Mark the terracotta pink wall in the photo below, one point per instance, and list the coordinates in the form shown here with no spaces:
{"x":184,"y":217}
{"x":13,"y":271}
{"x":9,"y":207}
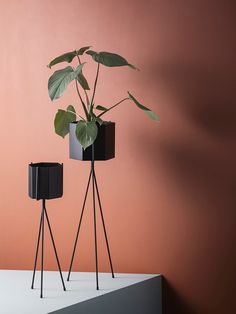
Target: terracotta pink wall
{"x":169,"y":195}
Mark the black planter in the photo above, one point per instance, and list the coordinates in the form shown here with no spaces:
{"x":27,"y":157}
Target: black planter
{"x":45,"y":180}
{"x":104,"y":145}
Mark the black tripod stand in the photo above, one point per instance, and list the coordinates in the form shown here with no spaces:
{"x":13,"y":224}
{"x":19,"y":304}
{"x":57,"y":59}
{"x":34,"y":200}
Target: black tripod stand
{"x":94,"y":190}
{"x":41,"y":231}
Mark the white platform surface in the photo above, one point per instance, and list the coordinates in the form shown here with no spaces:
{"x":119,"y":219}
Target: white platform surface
{"x":16,"y":297}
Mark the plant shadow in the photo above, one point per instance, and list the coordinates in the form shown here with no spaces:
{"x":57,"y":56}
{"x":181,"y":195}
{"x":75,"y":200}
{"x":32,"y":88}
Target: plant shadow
{"x":198,"y":157}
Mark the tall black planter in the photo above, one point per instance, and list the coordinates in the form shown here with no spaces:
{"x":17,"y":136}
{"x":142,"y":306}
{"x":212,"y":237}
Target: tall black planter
{"x":45,"y":182}
{"x":104,"y":145}
{"x":102,"y":149}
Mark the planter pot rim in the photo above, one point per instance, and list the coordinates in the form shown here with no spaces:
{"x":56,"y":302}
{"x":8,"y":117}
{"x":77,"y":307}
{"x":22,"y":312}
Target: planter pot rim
{"x":45,"y":164}
{"x":103,"y":123}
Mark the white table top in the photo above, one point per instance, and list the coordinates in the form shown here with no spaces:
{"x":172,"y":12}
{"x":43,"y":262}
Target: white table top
{"x":16,"y":297}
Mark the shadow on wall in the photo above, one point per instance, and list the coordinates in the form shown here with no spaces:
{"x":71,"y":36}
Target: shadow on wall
{"x":205,"y":94}
{"x":172,"y":302}
{"x":203,"y":149}
{"x":199,"y":160}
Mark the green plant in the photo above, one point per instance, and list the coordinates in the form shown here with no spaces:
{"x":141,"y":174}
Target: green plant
{"x":86,"y":129}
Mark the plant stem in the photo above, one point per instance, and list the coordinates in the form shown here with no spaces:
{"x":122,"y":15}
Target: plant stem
{"x":85,"y":92}
{"x":81,"y":118}
{"x":83,"y":104}
{"x":95,"y":85}
{"x":77,"y":115}
{"x":119,"y":102}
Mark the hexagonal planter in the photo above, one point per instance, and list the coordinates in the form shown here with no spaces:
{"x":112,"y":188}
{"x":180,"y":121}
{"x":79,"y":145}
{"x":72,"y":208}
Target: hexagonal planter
{"x":104,"y":145}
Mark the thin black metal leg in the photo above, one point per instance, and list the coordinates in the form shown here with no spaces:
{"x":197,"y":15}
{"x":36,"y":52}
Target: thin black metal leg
{"x":94,"y":191}
{"x":78,"y":230}
{"x":37,"y":250}
{"x":94,"y":216}
{"x":54,"y":246}
{"x":103,"y":223}
{"x":41,"y":289}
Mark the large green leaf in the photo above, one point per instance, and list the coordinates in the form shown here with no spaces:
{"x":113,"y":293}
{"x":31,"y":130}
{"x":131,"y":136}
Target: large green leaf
{"x":68,"y":56}
{"x":109,"y":59}
{"x":63,"y":119}
{"x":149,"y":112}
{"x":82,"y":50}
{"x":78,"y":70}
{"x":92,"y":53}
{"x":60,"y":79}
{"x":65,"y":57}
{"x":86,"y":133}
{"x":83,"y":82}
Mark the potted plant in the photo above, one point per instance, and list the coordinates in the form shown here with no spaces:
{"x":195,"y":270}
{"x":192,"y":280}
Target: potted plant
{"x":89,"y":133}
{"x":91,"y":138}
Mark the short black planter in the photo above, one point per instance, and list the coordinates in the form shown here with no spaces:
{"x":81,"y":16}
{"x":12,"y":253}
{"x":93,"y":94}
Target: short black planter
{"x":45,"y":180}
{"x":104,"y":145}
